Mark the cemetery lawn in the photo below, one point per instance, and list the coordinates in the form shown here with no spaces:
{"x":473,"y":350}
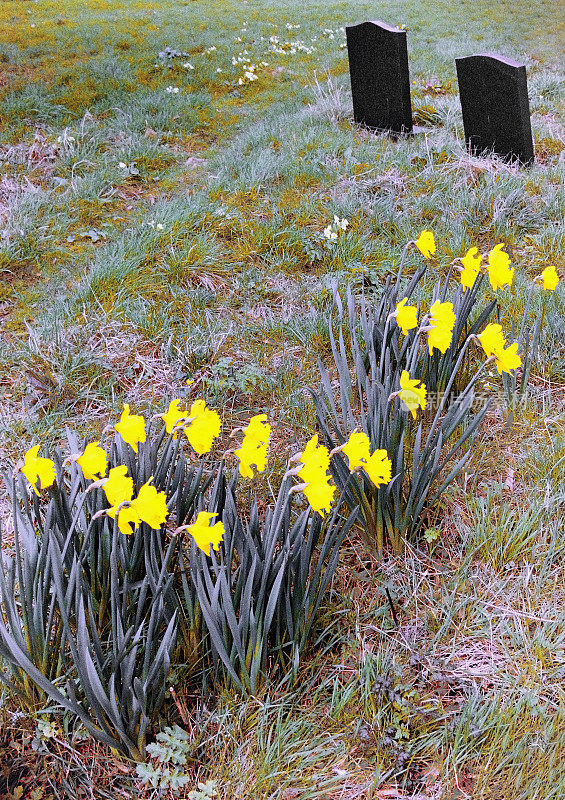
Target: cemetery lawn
{"x":161,"y":235}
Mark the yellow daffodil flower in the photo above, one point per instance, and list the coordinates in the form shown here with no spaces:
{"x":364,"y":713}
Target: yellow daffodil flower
{"x":471,"y":268}
{"x":315,"y":461}
{"x":426,"y":244}
{"x":406,"y":316}
{"x":550,"y":278}
{"x":499,"y":272}
{"x":206,"y":535}
{"x":38,"y":469}
{"x":205,"y":426}
{"x":412,"y":395}
{"x":442,"y":314}
{"x":492,"y":339}
{"x":172,"y":416}
{"x":379,"y":467}
{"x":320,"y":495}
{"x":93,"y":462}
{"x":253,"y":450}
{"x":131,"y":428}
{"x":118,"y":486}
{"x":507,"y":360}
{"x":128,"y":519}
{"x":441,"y":322}
{"x":118,"y":489}
{"x":151,"y":506}
{"x":357,"y":449}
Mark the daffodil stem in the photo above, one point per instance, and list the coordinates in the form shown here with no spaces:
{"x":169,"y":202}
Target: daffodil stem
{"x":525,"y":314}
{"x":401,"y":266}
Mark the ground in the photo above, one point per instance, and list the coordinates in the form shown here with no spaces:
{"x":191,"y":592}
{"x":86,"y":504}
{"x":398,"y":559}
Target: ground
{"x":161,"y":235}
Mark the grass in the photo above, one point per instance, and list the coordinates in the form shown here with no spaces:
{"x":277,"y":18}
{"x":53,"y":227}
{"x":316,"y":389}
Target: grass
{"x":149,"y":238}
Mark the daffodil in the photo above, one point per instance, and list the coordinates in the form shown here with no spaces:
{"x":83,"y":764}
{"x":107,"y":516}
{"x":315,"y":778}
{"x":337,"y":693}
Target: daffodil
{"x":38,"y":470}
{"x":441,"y":326}
{"x":151,"y":506}
{"x":253,"y":450}
{"x":426,"y":244}
{"x":320,"y":494}
{"x":499,"y":272}
{"x":93,"y":462}
{"x":128,"y":519}
{"x":205,"y":426}
{"x":442,"y":314}
{"x":507,"y":360}
{"x":492,"y":339}
{"x":118,"y":486}
{"x":412,"y":395}
{"x":379,"y":467}
{"x":357,"y":449}
{"x":317,"y":489}
{"x":315,"y":460}
{"x":406,"y":316}
{"x":118,"y":489}
{"x":206,"y":535}
{"x":172,"y":417}
{"x":550,"y":278}
{"x":471,"y":268}
{"x":440,"y":338}
{"x":131,"y":428}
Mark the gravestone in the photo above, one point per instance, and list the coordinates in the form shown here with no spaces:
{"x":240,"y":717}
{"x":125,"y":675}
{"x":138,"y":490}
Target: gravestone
{"x":380,"y":80}
{"x":493,"y":91}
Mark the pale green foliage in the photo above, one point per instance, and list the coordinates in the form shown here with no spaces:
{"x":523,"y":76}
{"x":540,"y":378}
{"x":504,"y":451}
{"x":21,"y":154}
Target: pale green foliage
{"x":170,"y":751}
{"x":204,"y":791}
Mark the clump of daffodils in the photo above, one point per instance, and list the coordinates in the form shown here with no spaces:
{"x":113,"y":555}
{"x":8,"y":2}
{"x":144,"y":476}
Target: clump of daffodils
{"x":275,"y":45}
{"x":249,"y":74}
{"x":314,"y":463}
{"x":201,"y":426}
{"x":243,"y":61}
{"x":332,"y":231}
{"x":441,"y":318}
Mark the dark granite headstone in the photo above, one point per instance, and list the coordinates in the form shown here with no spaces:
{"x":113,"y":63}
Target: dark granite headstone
{"x":494,"y":100}
{"x":380,"y":81}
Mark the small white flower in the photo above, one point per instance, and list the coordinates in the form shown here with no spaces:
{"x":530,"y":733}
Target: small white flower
{"x":172,"y":90}
{"x":219,"y":69}
{"x":122,"y":165}
{"x":160,"y":226}
{"x":188,"y":65}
